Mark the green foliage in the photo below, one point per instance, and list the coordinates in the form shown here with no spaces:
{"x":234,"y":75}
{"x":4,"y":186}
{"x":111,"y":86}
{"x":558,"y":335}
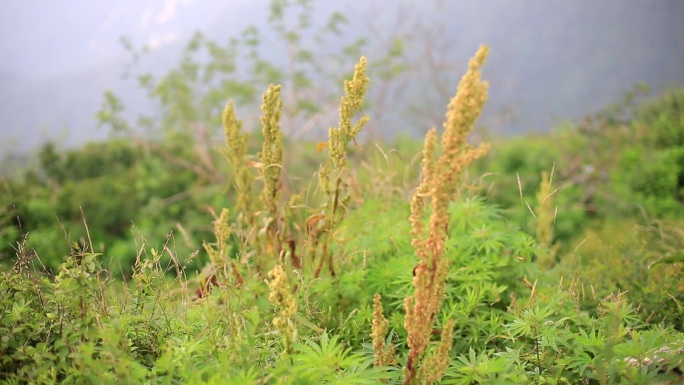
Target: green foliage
{"x":622,"y":162}
{"x":111,"y":186}
{"x":99,"y":245}
{"x":641,"y":260}
{"x":83,"y":326}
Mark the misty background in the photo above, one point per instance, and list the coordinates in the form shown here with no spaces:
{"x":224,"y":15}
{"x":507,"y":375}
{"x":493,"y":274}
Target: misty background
{"x":550,"y":61}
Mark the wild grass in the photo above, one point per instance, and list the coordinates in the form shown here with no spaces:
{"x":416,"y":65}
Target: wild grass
{"x":341,"y":283}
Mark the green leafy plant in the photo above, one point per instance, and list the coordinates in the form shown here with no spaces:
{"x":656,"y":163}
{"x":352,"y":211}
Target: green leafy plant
{"x":355,"y":277}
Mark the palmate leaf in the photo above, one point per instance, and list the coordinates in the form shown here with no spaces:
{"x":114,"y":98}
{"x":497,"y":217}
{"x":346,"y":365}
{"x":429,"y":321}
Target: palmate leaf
{"x":481,"y":368}
{"x":248,"y":376}
{"x":325,"y":356}
{"x":392,"y":277}
{"x":592,"y":340}
{"x":580,"y":361}
{"x":366,"y":375}
{"x":328,"y":361}
{"x":472,"y":213}
{"x":530,"y":319}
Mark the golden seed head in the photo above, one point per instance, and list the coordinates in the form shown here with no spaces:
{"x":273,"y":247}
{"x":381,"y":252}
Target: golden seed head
{"x":281,"y":297}
{"x":271,"y":154}
{"x":440,"y":178}
{"x":383,"y":355}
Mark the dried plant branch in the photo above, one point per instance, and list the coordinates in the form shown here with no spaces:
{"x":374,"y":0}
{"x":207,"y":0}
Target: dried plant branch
{"x":441,"y":177}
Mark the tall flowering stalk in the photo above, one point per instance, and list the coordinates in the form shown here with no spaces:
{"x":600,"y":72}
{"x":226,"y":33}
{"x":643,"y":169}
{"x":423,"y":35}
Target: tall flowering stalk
{"x":268,"y":240}
{"x":383,"y":352}
{"x":285,"y":306}
{"x":441,"y":176}
{"x":546,"y":216}
{"x":270,"y":167}
{"x":236,"y":154}
{"x":271,"y":154}
{"x":333,"y":173}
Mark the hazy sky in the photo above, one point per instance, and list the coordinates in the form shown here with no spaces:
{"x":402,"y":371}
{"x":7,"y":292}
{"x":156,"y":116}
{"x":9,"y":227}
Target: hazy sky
{"x":550,"y":60}
{"x":40,"y":38}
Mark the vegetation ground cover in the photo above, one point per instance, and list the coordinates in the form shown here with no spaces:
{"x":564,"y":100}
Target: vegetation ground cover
{"x":542,"y":259}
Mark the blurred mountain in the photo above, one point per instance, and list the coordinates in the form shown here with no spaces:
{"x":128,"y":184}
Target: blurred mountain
{"x":549,"y":60}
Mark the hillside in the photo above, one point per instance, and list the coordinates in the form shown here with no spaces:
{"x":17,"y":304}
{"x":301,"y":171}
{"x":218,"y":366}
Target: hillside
{"x":549,"y":62}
